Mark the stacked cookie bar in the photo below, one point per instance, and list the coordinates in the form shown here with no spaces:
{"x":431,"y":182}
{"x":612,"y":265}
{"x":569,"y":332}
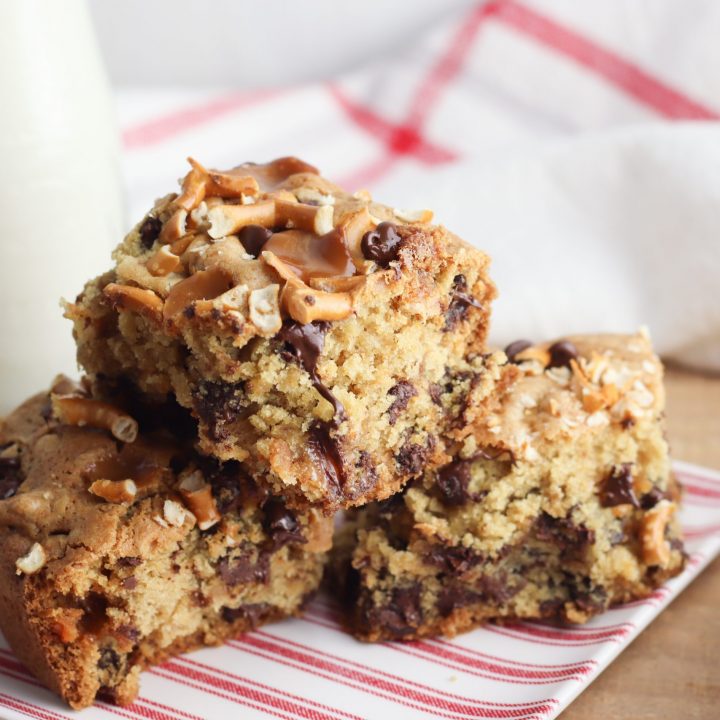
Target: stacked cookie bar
{"x":269,"y":350}
{"x":557,"y":504}
{"x":265,"y":351}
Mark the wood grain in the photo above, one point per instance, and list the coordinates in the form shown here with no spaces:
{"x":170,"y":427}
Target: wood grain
{"x":673,"y":669}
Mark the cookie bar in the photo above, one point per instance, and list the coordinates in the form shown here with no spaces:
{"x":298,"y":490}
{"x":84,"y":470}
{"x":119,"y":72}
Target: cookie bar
{"x":557,"y":504}
{"x":120,"y":550}
{"x":304,"y":327}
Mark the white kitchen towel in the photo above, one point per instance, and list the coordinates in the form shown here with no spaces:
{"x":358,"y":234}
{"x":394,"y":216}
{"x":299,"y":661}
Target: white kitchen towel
{"x":577,"y":143}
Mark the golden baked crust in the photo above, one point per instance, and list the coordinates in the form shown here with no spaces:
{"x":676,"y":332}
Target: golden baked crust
{"x":559,"y":501}
{"x":92,"y":590}
{"x":309,"y":357}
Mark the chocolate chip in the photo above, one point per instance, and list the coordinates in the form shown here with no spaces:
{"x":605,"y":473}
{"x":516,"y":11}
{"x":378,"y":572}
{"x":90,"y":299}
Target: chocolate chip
{"x":651,"y":498}
{"x":281,"y":525}
{"x":129,"y":561}
{"x":130,"y":632}
{"x":515,"y":348}
{"x":382,"y":244}
{"x":303,"y":344}
{"x":561,"y":353}
{"x":199,"y":599}
{"x":243,"y":569}
{"x":563,"y":532}
{"x":617,"y":489}
{"x":452,"y":481}
{"x":11,"y":476}
{"x":411,"y":458}
{"x":627,"y":422}
{"x":454,"y":596}
{"x":588,"y":597}
{"x":253,"y":238}
{"x":436,"y":390}
{"x":453,"y":560}
{"x":401,"y":616}
{"x":459,"y":304}
{"x":326,"y":454}
{"x":109,"y":659}
{"x":219,"y":404}
{"x":130,"y":582}
{"x":232,"y":486}
{"x":366,"y":465}
{"x":402,"y":392}
{"x":252,"y":613}
{"x":150,"y":231}
{"x":551,"y":608}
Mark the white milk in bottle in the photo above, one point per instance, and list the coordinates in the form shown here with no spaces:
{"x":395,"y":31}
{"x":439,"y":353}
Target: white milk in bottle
{"x":60,"y":197}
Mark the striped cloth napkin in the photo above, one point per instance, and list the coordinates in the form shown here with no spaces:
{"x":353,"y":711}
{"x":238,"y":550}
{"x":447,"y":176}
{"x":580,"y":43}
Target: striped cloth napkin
{"x":576,"y":142}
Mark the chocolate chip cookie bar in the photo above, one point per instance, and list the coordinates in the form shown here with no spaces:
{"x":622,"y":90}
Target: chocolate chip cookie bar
{"x":120,"y":548}
{"x":558,"y":502}
{"x":303,"y":326}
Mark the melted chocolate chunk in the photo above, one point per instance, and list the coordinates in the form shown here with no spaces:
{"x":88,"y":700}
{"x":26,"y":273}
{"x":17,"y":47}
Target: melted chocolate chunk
{"x":452,"y":482}
{"x":382,"y":244}
{"x":252,"y":613}
{"x":219,"y":404}
{"x":281,"y":525}
{"x":243,"y":569}
{"x":563,"y":532}
{"x":253,"y":238}
{"x":411,"y":458}
{"x":436,"y":391}
{"x":130,"y":632}
{"x":453,"y":560}
{"x":459,"y":304}
{"x":11,"y":476}
{"x":150,"y":231}
{"x":109,"y":659}
{"x":367,"y":466}
{"x":588,"y":597}
{"x":618,"y":487}
{"x":129,"y":561}
{"x":551,"y":608}
{"x":402,"y":392}
{"x":651,"y":498}
{"x":561,"y":353}
{"x":232,"y":486}
{"x":303,"y":344}
{"x":455,"y":596}
{"x":326,"y":454}
{"x":514,"y":348}
{"x":402,"y":615}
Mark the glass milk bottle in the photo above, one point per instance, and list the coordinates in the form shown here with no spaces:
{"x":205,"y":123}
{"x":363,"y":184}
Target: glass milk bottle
{"x":60,"y":197}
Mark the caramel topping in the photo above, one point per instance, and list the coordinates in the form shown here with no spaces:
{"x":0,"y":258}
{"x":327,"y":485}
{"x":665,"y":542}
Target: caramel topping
{"x":271,"y":174}
{"x":203,"y":285}
{"x":81,"y":411}
{"x":145,"y":463}
{"x":311,"y":256}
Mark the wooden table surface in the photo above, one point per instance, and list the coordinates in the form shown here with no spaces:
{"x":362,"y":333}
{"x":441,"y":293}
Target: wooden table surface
{"x":673,"y":669}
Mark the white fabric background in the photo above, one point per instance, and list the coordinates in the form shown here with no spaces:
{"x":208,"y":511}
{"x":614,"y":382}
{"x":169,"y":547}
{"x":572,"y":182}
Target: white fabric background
{"x":601,"y":208}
